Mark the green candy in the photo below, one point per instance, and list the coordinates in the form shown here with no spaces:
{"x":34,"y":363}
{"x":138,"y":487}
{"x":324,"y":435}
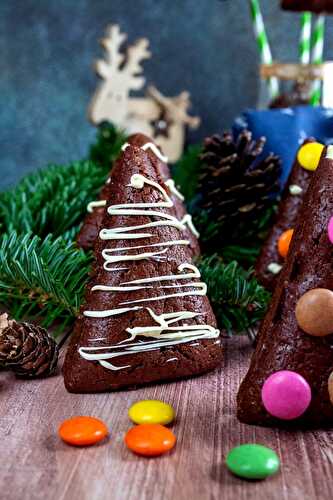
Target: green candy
{"x":252,"y":461}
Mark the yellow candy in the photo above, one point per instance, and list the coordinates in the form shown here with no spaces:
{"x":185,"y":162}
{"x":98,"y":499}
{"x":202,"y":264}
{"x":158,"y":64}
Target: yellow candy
{"x":151,"y":412}
{"x":309,"y":155}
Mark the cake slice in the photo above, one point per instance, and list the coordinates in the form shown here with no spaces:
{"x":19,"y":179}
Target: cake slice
{"x":308,"y":5}
{"x":270,"y":262}
{"x":295,"y":344}
{"x":146,"y":316}
{"x":92,"y":223}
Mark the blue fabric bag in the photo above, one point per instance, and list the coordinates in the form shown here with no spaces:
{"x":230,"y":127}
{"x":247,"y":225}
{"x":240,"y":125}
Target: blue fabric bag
{"x":285,"y":129}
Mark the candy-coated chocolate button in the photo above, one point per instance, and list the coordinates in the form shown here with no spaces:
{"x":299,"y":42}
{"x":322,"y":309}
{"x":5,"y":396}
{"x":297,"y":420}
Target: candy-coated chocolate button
{"x":151,"y":411}
{"x":330,"y":230}
{"x":82,"y":431}
{"x":286,"y":395}
{"x":252,"y":461}
{"x":330,"y":387}
{"x":309,"y":155}
{"x":284,"y":242}
{"x":150,"y":440}
{"x":314,"y":312}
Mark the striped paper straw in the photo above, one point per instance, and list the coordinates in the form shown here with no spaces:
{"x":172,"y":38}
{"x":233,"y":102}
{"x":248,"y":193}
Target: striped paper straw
{"x":317,"y":56}
{"x":263,"y":45}
{"x":305,"y":39}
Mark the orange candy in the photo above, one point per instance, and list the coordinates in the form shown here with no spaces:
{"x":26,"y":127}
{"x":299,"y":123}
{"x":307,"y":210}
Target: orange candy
{"x":82,"y":431}
{"x":150,"y":440}
{"x":284,"y":242}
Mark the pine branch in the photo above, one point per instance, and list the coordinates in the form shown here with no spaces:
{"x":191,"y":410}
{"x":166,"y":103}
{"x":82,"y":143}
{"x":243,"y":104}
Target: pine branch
{"x":54,"y":200}
{"x":243,"y":245}
{"x":42,"y":278}
{"x":239,"y":302}
{"x":107,"y":146}
{"x":186,"y":172}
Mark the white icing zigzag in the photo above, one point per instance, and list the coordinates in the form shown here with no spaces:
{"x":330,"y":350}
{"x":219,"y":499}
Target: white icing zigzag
{"x":170,"y":183}
{"x":152,"y":147}
{"x":163,"y":334}
{"x":171,"y":336}
{"x":141,"y":284}
{"x":95,"y":204}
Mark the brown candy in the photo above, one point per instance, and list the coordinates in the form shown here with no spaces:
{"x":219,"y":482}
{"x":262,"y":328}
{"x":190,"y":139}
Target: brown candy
{"x":314,"y":312}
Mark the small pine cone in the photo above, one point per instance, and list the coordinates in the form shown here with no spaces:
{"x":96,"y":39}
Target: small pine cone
{"x":236,"y":183}
{"x":26,"y":349}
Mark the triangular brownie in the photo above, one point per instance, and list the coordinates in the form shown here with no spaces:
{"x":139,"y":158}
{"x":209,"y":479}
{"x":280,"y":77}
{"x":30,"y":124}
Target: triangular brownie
{"x":146,"y":316}
{"x":289,"y":373}
{"x":269,"y":263}
{"x":93,"y":221}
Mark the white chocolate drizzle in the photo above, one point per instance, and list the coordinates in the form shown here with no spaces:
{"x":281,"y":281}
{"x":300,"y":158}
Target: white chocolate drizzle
{"x":152,"y":147}
{"x":170,"y":182}
{"x":140,"y":209}
{"x":274,"y":268}
{"x":163,"y":333}
{"x":172,"y":186}
{"x":172,"y":336}
{"x":200,"y":288}
{"x":329,"y":153}
{"x":295,"y":190}
{"x":95,"y":204}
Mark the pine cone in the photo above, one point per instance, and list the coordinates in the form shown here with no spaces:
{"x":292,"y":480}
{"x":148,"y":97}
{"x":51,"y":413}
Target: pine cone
{"x":237,"y":185}
{"x":26,"y":349}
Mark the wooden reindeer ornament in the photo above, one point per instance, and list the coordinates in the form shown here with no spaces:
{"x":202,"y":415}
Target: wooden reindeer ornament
{"x":163,"y":118}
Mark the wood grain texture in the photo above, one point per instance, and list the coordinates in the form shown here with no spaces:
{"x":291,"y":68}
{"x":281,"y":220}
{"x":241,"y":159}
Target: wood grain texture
{"x":36,"y":465}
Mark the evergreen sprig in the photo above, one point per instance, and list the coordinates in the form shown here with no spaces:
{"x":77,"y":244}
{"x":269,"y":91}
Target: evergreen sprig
{"x":238,"y":300}
{"x":243,"y":246}
{"x":107,"y":146}
{"x":51,"y":200}
{"x":54,"y":199}
{"x":43,"y":278}
{"x":186,"y":172}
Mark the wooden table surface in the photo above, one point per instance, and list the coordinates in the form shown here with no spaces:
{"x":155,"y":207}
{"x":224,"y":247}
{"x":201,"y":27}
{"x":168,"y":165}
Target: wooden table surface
{"x":35,"y":464}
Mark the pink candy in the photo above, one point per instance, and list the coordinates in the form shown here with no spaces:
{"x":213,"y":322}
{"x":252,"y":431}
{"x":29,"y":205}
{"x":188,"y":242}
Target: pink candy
{"x":330,"y":230}
{"x":286,"y":395}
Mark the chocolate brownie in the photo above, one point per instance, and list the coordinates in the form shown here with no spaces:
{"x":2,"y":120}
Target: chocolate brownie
{"x":270,"y":262}
{"x":282,"y":344}
{"x":308,"y":5}
{"x":160,"y":328}
{"x":299,"y":96}
{"x":92,"y":223}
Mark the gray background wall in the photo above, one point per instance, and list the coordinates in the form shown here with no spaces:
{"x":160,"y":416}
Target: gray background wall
{"x":47,"y":49}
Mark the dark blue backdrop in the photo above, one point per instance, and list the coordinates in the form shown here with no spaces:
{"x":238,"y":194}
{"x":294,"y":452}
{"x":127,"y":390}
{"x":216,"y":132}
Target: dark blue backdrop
{"x":48,"y":46}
